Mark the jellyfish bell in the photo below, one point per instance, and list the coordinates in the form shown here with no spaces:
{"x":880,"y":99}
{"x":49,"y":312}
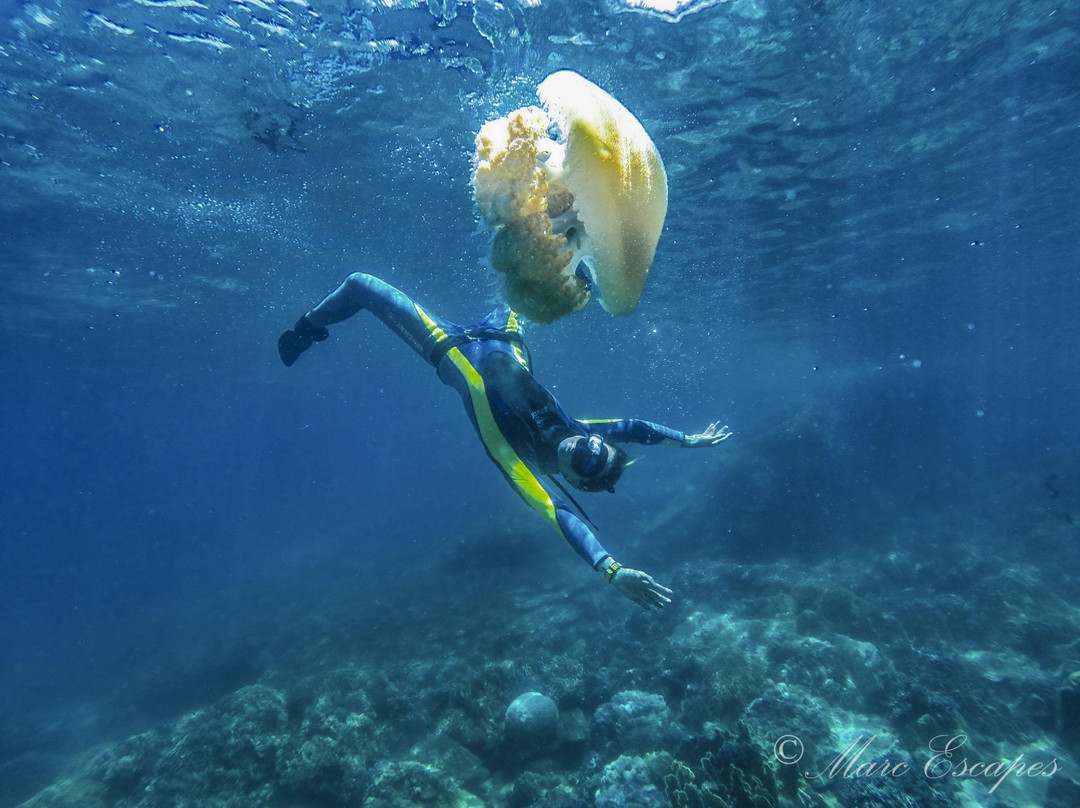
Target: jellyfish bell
{"x":598,"y":195}
{"x":617,"y":178}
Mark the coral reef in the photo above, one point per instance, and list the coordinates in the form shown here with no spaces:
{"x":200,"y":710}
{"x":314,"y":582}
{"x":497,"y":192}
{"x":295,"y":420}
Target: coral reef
{"x":512,"y":705}
{"x":531,"y":723}
{"x":634,"y":721}
{"x":734,"y":775}
{"x":409,"y":784}
{"x":329,"y":753}
{"x":626,"y":783}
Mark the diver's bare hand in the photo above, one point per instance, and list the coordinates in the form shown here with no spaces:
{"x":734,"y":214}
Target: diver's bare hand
{"x":639,"y":587}
{"x":710,"y":437}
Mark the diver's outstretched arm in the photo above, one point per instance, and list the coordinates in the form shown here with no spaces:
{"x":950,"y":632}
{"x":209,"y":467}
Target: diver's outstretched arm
{"x":635,"y":430}
{"x":640,"y":588}
{"x":635,"y":585}
{"x":713,"y":435}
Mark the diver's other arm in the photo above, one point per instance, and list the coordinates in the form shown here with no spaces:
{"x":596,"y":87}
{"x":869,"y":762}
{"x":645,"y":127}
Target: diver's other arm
{"x":635,"y":430}
{"x":710,"y":437}
{"x":635,"y":585}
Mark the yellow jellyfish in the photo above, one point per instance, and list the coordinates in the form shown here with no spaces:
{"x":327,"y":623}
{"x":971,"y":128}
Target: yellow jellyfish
{"x":596,"y":198}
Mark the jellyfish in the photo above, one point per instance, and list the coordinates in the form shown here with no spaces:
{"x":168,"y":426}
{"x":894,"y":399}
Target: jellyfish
{"x":579,"y":211}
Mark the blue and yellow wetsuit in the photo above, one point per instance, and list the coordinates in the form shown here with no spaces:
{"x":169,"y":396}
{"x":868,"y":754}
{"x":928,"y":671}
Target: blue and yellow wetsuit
{"x":519,"y":422}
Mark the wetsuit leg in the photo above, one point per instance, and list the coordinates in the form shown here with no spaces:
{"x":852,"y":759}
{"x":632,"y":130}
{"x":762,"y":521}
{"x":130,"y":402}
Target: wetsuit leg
{"x":397,"y":310}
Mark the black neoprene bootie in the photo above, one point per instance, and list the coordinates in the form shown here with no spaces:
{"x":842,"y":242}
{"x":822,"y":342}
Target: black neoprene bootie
{"x":293,"y":343}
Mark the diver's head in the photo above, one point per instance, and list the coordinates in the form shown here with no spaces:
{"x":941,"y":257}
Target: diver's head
{"x":590,"y":464}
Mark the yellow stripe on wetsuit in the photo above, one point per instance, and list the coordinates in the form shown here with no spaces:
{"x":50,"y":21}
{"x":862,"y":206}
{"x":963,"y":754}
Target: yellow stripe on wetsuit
{"x":501,"y":452}
{"x":513,"y":326}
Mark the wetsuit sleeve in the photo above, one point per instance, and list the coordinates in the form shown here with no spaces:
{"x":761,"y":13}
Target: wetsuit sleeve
{"x":556,"y":512}
{"x":578,"y":535}
{"x":634,"y":430}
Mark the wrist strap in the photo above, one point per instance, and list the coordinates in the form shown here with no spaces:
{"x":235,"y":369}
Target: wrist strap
{"x":611,"y":569}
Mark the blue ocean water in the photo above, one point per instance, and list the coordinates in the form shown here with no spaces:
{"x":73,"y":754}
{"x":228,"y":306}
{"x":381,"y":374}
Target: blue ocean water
{"x":869,"y":271}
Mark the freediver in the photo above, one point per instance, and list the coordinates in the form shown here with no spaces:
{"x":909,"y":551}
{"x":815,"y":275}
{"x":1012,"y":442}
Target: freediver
{"x":524,"y":429}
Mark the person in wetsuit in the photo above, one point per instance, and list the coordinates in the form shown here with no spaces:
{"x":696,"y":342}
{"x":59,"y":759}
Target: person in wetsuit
{"x":524,"y":429}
